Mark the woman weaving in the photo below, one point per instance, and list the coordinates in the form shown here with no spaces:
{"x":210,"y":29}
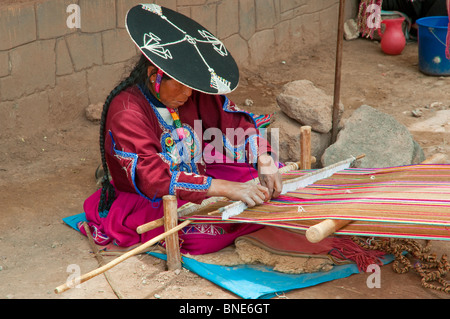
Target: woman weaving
{"x":151,"y":135}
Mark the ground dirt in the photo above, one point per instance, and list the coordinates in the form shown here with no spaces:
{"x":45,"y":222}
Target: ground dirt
{"x":47,"y":177}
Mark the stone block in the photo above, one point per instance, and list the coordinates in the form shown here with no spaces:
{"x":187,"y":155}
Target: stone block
{"x":287,"y":5}
{"x":247,"y":18}
{"x":306,"y":29}
{"x":238,"y":48}
{"x":190,"y":2}
{"x":117,"y":46}
{"x":63,"y":61}
{"x":227,"y":18}
{"x":68,"y":98}
{"x":17,"y":26}
{"x":122,"y":8}
{"x":96,"y":16}
{"x":185,"y":10}
{"x":351,"y":30}
{"x":315,"y":6}
{"x":289,"y":135}
{"x":328,"y":22}
{"x":171,"y":4}
{"x":206,"y":16}
{"x":261,"y":47}
{"x":85,"y":49}
{"x":102,"y":79}
{"x":4,"y":64}
{"x":32,"y":114}
{"x":8,"y":118}
{"x":94,"y":112}
{"x":52,"y":19}
{"x":266,"y":16}
{"x":307,"y":104}
{"x":283,"y":36}
{"x":383,"y":140}
{"x":33,"y":69}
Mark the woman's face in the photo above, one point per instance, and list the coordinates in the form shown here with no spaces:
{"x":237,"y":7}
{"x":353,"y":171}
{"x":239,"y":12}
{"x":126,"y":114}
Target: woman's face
{"x":172,"y":93}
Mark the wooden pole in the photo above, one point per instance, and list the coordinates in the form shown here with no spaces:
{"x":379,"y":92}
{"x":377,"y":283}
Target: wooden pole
{"x":140,"y":249}
{"x":149,"y":226}
{"x":172,"y":240}
{"x":322,"y":230}
{"x":337,"y":76}
{"x":305,"y":147}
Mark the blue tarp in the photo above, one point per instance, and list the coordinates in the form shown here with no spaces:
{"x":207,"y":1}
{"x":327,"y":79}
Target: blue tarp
{"x":253,"y":281}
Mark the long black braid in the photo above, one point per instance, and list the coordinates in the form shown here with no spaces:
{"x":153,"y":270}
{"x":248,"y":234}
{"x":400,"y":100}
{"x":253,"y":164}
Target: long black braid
{"x":137,"y":76}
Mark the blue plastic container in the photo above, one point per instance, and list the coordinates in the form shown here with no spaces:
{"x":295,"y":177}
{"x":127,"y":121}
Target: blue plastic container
{"x":432,"y":44}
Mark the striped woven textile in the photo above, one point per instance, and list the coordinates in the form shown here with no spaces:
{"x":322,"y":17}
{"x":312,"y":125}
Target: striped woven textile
{"x":404,"y":202}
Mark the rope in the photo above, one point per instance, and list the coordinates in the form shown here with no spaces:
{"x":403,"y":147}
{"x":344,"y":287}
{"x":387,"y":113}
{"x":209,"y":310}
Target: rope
{"x":427,"y":264}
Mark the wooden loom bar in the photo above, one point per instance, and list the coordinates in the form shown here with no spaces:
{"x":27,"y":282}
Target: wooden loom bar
{"x":149,"y":226}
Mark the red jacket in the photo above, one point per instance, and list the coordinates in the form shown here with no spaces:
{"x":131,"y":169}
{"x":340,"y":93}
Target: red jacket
{"x":144,"y":155}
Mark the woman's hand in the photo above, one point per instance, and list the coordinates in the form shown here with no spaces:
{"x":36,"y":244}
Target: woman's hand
{"x":250,"y":194}
{"x":269,"y":176}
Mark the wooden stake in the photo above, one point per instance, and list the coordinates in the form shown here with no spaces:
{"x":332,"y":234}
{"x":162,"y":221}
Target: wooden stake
{"x":172,"y":240}
{"x":305,"y":147}
{"x":337,"y":75}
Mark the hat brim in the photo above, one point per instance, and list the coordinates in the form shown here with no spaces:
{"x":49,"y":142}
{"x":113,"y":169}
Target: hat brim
{"x":183,"y":49}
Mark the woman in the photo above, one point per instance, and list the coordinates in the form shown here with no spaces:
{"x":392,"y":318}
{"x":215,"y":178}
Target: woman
{"x":155,"y":137}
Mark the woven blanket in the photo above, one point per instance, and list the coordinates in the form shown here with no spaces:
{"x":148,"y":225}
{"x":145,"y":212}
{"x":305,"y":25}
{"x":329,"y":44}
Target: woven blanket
{"x":406,"y":202}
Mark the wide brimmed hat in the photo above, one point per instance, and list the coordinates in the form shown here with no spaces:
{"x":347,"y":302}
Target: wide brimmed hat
{"x":182,"y":49}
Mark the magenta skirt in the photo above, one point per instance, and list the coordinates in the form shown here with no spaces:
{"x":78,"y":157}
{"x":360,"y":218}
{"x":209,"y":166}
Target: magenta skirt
{"x":130,"y":210}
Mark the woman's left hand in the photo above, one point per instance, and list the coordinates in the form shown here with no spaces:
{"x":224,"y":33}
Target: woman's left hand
{"x":269,"y":176}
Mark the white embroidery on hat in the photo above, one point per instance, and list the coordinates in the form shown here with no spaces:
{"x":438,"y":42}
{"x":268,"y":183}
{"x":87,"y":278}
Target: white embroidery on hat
{"x":153,"y":8}
{"x":216,"y":43}
{"x":220,"y":84}
{"x":153,"y":44}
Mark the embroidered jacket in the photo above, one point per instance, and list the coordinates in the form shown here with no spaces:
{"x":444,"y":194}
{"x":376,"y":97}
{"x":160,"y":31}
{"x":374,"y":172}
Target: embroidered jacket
{"x":145,"y":156}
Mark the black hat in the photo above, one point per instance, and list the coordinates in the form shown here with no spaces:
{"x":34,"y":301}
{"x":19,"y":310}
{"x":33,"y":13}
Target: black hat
{"x":182,"y":49}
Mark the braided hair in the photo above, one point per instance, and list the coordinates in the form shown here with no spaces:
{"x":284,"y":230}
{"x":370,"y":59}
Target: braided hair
{"x":137,"y":76}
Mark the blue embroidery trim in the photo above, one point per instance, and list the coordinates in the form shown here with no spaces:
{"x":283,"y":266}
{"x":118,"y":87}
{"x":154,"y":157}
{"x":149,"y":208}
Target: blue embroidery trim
{"x":251,"y":139}
{"x":241,"y":149}
{"x":154,"y":104}
{"x":134,"y":158}
{"x":226,"y":104}
{"x":199,"y":187}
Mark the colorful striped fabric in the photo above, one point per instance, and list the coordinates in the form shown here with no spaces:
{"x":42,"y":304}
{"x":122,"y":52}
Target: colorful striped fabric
{"x":405,"y":202}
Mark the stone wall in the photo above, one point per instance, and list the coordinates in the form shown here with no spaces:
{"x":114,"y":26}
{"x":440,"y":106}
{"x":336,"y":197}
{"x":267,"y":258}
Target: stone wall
{"x":49,"y":73}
